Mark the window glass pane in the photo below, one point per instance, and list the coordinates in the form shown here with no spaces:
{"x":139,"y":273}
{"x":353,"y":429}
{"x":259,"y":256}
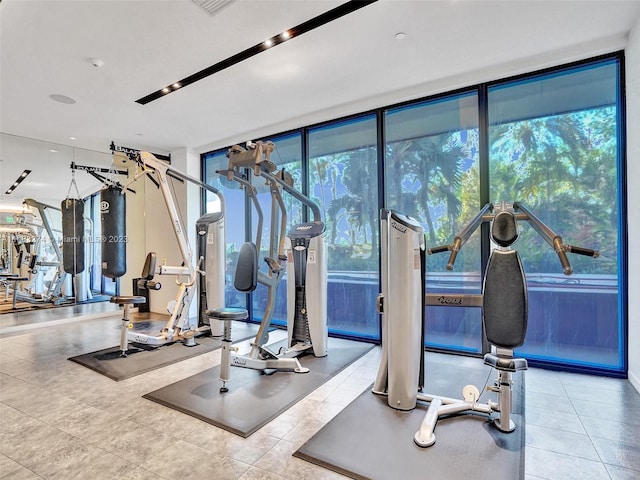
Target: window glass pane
{"x":554,"y":147}
{"x":110,"y":286}
{"x":234,"y":219}
{"x":343,"y":180}
{"x":432,"y":174}
{"x":93,"y":252}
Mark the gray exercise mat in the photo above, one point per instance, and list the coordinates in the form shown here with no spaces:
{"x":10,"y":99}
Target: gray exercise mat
{"x":144,"y":358}
{"x":254,"y":398}
{"x":370,"y":440}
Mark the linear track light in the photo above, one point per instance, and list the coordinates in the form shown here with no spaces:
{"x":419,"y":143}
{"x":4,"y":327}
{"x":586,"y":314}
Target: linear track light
{"x":323,"y":19}
{"x":18,"y":181}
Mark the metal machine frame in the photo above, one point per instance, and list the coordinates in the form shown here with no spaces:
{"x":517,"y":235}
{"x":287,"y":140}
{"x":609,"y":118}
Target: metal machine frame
{"x":53,"y":292}
{"x":256,"y":157}
{"x":179,"y":327}
{"x":402,"y":305}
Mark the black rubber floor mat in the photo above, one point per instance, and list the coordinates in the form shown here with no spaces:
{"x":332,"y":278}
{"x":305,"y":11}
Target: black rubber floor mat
{"x":144,"y":358}
{"x":369,"y":440}
{"x":254,"y":398}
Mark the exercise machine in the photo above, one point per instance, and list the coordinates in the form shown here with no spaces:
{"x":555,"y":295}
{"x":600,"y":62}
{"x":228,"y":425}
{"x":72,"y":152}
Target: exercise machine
{"x":504,"y":312}
{"x":180,"y":326}
{"x":210,"y":238}
{"x":307,"y":272}
{"x":305,"y":256}
{"x":39,"y":259}
{"x":145,"y":282}
{"x":46,"y":266}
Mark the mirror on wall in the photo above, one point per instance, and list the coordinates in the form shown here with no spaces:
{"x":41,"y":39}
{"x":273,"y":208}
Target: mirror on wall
{"x":35,"y":178}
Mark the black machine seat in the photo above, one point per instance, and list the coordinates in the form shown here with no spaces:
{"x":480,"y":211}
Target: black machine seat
{"x":245,"y":279}
{"x":508,"y":364}
{"x":228,"y":313}
{"x":147,"y":277}
{"x":504,"y":310}
{"x":127,"y":300}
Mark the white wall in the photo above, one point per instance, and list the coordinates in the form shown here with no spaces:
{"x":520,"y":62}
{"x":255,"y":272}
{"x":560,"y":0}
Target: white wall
{"x":187,"y":161}
{"x":632,"y":64}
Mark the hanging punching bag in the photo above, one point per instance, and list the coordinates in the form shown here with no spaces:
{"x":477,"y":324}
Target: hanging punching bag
{"x":72,"y":235}
{"x":114,"y":232}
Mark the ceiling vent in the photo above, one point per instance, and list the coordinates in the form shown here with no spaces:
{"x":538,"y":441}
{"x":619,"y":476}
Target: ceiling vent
{"x":212,"y":6}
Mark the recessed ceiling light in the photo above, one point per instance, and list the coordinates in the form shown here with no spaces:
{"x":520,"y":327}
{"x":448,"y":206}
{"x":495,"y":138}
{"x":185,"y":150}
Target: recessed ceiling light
{"x":401,"y":36}
{"x":56,"y":97}
{"x":166,"y":90}
{"x":285,"y":34}
{"x":53,"y":151}
{"x":176,"y":86}
{"x":72,"y":138}
{"x":268,"y":43}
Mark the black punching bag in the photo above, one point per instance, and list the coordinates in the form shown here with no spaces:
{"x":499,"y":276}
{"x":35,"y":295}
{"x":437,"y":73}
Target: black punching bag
{"x":114,"y":232}
{"x":72,"y":235}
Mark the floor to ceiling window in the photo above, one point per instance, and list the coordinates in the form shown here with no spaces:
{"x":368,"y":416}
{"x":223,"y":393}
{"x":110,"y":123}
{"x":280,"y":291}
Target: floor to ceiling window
{"x":551,"y":140}
{"x":343,"y":179}
{"x":554,"y":146}
{"x":233,"y":219}
{"x":432,"y":174}
{"x":93,"y":258}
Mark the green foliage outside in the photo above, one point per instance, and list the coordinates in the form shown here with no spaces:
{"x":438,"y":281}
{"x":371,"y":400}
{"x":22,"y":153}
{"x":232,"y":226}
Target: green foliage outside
{"x":346,"y":187}
{"x":563,"y":168}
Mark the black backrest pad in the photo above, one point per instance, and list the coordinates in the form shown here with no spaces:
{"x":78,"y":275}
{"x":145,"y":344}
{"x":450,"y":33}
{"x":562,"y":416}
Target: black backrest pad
{"x":246,"y":276}
{"x":504,"y":310}
{"x":149,"y":269}
{"x":504,"y":230}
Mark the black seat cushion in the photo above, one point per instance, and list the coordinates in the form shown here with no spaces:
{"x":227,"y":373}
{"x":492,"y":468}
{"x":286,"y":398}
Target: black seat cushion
{"x":246,"y":276}
{"x":508,"y":364}
{"x":504,"y":309}
{"x":149,"y":269}
{"x":127,"y":300}
{"x":504,"y":229}
{"x":227,"y":313}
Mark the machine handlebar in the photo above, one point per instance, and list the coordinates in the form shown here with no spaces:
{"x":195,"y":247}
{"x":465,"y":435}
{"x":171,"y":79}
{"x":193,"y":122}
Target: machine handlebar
{"x":439,"y":249}
{"x":587,"y":252}
{"x":562,"y":255}
{"x":545,"y":232}
{"x":455,"y":248}
{"x":562,"y":248}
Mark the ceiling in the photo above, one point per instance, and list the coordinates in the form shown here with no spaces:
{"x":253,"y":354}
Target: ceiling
{"x":353,"y":64}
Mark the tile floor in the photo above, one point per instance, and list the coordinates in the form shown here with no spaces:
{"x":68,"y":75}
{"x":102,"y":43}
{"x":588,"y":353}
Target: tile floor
{"x":59,"y":420}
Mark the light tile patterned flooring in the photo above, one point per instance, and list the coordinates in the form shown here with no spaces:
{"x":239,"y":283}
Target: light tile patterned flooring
{"x":59,"y":420}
